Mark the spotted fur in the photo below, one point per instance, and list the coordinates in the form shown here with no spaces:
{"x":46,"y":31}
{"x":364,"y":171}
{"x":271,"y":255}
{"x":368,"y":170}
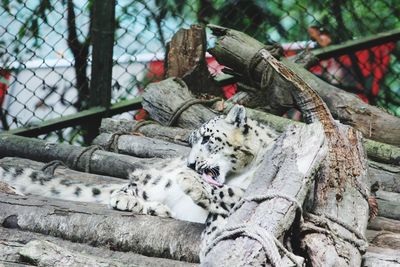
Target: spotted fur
{"x":203,"y":187}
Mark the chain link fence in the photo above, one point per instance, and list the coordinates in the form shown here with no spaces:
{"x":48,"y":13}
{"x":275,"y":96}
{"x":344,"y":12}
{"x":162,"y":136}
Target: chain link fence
{"x":45,"y":49}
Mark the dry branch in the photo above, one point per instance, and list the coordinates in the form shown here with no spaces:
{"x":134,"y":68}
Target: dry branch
{"x":288,"y":172}
{"x":99,"y":226}
{"x":238,"y":50}
{"x":13,"y":240}
{"x":140,"y":146}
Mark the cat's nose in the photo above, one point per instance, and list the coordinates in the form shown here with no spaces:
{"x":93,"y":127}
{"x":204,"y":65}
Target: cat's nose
{"x":192,"y":165}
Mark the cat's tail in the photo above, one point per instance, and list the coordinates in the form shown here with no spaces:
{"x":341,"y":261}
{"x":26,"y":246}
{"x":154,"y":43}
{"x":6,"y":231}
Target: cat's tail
{"x":28,"y":181}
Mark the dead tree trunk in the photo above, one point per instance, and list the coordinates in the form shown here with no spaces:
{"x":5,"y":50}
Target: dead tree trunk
{"x":284,"y":175}
{"x":238,"y":51}
{"x":99,"y":226}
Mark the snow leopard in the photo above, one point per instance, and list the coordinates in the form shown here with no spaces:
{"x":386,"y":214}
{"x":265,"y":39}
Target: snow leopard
{"x":202,"y":187}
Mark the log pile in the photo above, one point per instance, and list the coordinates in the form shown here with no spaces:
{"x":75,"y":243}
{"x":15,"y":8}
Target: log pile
{"x":308,"y":203}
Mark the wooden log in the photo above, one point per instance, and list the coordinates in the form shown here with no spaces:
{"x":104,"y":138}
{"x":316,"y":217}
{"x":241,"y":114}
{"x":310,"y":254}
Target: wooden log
{"x":381,"y":257}
{"x":97,"y":225}
{"x":47,"y":254}
{"x":186,"y":59}
{"x":154,"y":130}
{"x":385,"y":175}
{"x":236,"y":50}
{"x":389,"y":204}
{"x":100,"y":162}
{"x":285,"y":173}
{"x":378,"y":151}
{"x":384,"y":239}
{"x":140,"y":146}
{"x":164,"y":98}
{"x":13,"y":240}
{"x":384,"y":224}
{"x":341,"y":195}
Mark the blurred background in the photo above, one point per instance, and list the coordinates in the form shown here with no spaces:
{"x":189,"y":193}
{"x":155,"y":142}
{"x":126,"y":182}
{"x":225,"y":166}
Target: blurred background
{"x":46,"y":49}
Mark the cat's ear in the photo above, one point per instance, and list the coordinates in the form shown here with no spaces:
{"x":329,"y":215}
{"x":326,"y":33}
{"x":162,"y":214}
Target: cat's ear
{"x":237,"y":116}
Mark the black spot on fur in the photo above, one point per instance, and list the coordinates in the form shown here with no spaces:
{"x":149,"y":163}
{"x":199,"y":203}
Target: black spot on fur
{"x":146,"y":179}
{"x":221,"y":194}
{"x":230,"y":192}
{"x":144,"y":195}
{"x":54,"y":191}
{"x":246,"y":129}
{"x":223,"y":205}
{"x":233,"y":161}
{"x":157,"y":180}
{"x":202,"y":205}
{"x":96,"y":191}
{"x":213,"y":228}
{"x":34,"y":176}
{"x":18,"y":172}
{"x":78,"y":191}
{"x":112,"y":191}
{"x":168,"y":184}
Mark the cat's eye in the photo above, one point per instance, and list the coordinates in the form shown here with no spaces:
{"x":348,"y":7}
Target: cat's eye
{"x":205,"y":139}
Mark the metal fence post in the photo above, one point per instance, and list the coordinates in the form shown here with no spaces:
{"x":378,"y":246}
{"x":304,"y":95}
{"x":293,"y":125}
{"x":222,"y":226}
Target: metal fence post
{"x":102,"y":57}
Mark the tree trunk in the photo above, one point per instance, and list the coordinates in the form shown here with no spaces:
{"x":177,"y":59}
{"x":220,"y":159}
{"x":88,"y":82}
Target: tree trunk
{"x":99,"y":226}
{"x":13,"y":240}
{"x":140,"y":146}
{"x":286,"y":172}
{"x":237,"y":51}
